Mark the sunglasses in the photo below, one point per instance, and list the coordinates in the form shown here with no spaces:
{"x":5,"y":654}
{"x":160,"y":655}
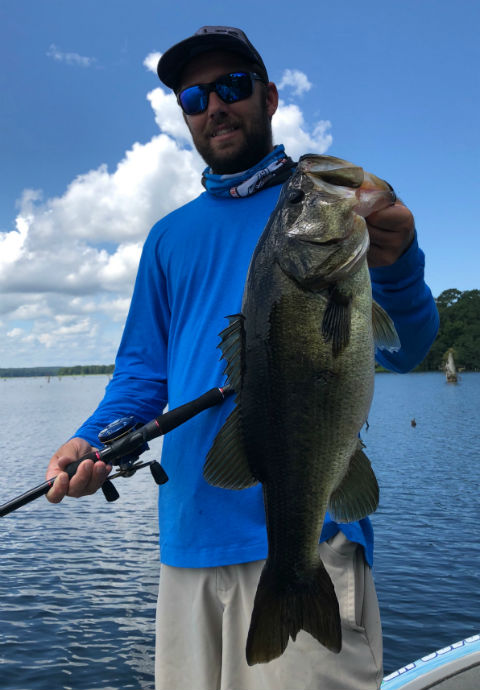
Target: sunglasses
{"x":231,"y":88}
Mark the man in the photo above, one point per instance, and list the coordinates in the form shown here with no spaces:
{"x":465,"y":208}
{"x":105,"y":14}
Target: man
{"x":191,"y":275}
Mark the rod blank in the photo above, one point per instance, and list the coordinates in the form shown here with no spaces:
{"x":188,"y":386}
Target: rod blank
{"x":130,"y":443}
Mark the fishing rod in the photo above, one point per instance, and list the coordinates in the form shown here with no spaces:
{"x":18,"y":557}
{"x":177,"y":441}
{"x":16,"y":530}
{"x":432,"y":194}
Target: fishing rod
{"x":123,"y":442}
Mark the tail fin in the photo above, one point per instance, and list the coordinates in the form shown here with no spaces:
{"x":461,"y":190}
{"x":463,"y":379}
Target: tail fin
{"x":282,"y":609}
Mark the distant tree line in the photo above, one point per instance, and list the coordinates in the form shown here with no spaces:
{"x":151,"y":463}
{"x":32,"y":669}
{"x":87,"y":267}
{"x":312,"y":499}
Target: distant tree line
{"x":459,"y":331}
{"x":78,"y":370}
{"x":29,"y":371}
{"x":86,"y":369}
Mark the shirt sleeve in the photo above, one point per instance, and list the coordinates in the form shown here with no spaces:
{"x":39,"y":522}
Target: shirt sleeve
{"x":401,"y":290}
{"x":139,"y":383}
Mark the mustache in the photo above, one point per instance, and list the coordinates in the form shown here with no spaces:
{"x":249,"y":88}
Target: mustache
{"x":221,"y":120}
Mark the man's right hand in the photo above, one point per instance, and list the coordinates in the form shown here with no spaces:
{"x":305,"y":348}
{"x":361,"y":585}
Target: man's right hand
{"x":88,"y":478}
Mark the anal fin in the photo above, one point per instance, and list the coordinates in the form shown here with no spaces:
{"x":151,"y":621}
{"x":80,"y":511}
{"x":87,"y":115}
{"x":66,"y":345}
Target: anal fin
{"x":357,"y":495}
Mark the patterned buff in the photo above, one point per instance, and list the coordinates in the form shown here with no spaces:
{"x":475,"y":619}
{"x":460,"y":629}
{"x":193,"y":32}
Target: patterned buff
{"x":273,"y":169}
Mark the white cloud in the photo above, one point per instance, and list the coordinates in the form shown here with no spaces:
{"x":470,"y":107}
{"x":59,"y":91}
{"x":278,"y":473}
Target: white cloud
{"x":67,"y":268}
{"x":12,"y":243}
{"x":37,"y":307}
{"x":296,"y":80}
{"x":97,"y":208}
{"x":151,"y":61}
{"x":168,"y":115}
{"x":69,"y":58}
{"x":289,"y":127}
{"x":15,"y":333}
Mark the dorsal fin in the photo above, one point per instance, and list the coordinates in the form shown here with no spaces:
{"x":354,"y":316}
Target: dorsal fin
{"x":226,"y":465}
{"x":232,"y":347}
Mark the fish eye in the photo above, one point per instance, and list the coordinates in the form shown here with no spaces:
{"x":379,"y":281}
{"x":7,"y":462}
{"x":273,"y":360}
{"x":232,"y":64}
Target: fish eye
{"x":296,"y":196}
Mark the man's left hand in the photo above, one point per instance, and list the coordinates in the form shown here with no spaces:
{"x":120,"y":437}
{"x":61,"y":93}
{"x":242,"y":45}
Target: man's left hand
{"x":391,"y":232}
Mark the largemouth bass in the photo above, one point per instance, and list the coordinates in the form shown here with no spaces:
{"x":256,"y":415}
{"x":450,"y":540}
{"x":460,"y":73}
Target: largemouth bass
{"x":301,"y":359}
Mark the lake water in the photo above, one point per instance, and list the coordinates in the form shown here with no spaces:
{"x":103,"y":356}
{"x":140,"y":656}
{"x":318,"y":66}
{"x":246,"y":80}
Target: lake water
{"x":78,"y":580}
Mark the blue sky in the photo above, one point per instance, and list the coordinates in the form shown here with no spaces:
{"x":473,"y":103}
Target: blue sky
{"x":93,"y":150}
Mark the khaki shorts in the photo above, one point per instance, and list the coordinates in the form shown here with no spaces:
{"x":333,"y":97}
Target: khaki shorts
{"x":203,"y":616}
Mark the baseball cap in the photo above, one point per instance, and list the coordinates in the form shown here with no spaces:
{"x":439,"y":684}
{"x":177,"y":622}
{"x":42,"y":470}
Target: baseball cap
{"x":172,"y":62}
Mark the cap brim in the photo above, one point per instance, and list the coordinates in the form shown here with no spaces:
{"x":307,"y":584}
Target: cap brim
{"x":171,"y":64}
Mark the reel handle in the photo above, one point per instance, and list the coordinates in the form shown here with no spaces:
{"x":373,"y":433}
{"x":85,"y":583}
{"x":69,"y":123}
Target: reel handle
{"x":109,"y":491}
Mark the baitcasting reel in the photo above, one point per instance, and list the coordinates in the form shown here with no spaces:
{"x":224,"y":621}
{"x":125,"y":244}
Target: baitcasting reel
{"x":123,"y":442}
{"x":127,"y":464}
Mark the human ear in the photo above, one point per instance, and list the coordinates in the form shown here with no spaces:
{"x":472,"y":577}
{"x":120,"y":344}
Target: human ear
{"x":272,"y":99}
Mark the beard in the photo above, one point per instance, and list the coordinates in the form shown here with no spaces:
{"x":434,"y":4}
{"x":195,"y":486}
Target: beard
{"x":256,"y":144}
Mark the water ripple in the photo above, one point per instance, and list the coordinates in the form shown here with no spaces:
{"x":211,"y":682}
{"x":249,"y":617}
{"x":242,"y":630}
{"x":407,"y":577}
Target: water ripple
{"x":79,"y":580}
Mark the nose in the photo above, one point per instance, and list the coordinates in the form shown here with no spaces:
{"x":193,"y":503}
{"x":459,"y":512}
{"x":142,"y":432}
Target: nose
{"x":215,"y":104}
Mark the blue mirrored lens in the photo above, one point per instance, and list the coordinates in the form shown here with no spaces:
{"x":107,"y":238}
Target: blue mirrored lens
{"x":230,"y":88}
{"x":194,"y":100}
{"x":234,"y":87}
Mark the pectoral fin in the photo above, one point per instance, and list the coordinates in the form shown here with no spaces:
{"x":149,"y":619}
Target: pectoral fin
{"x":384,"y":333}
{"x":336,"y":321}
{"x":358,"y":493}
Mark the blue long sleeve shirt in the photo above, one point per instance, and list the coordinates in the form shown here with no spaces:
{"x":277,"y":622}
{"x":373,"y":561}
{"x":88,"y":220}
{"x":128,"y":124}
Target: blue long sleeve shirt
{"x":191,"y":276}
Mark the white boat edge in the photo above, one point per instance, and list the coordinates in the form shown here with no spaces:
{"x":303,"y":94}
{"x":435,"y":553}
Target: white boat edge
{"x":440,"y":667}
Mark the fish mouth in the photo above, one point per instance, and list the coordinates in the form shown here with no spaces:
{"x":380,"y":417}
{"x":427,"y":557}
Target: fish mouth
{"x":350,"y":176}
{"x":352,"y":261}
{"x":320,"y":243}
